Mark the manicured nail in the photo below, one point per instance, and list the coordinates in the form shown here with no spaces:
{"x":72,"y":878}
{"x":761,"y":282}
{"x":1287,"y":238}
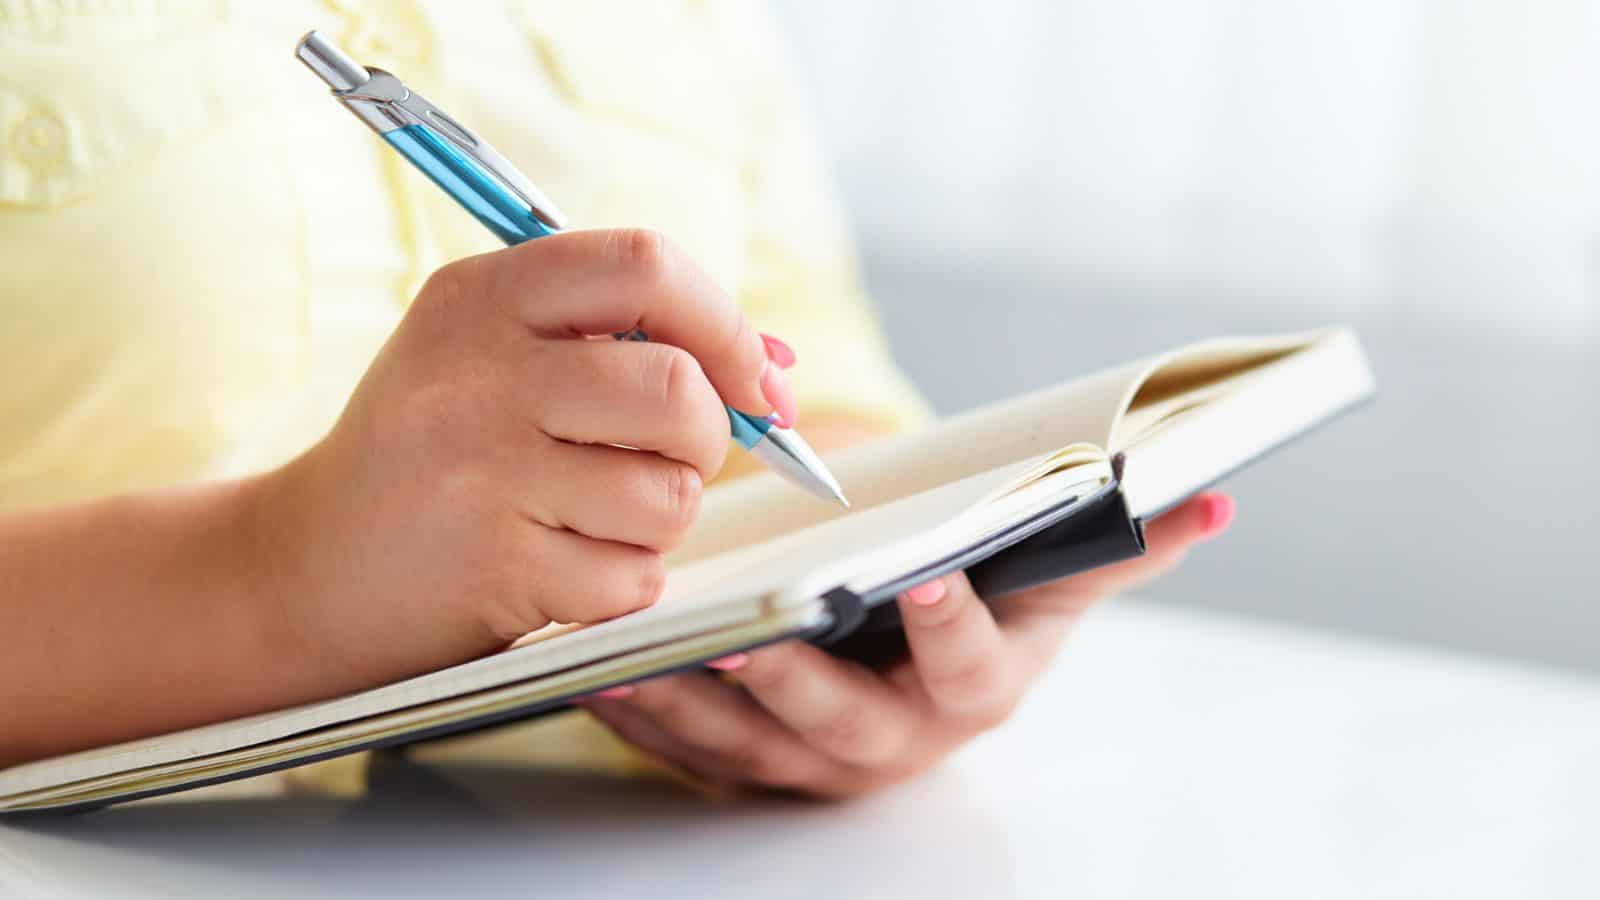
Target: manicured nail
{"x":778,"y":351}
{"x":616,"y":693}
{"x":779,"y":392}
{"x":730,"y":663}
{"x":1218,"y":514}
{"x":927,"y":594}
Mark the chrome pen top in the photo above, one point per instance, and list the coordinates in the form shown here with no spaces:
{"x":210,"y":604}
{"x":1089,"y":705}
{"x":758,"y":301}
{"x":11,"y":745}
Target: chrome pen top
{"x":330,"y":63}
{"x":385,"y":104}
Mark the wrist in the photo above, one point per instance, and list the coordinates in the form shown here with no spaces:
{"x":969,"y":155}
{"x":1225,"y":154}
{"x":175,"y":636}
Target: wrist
{"x":277,"y":527}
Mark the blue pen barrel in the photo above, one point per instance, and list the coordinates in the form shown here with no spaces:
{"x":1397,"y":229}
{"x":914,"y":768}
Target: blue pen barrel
{"x":480,"y":194}
{"x":747,"y":430}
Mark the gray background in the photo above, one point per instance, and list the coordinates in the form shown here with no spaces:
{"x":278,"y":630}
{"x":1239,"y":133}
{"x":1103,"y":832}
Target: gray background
{"x":1040,"y":189}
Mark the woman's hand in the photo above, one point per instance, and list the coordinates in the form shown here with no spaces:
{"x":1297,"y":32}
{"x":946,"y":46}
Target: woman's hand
{"x":477,"y":486}
{"x":791,"y":716}
{"x":471,"y":491}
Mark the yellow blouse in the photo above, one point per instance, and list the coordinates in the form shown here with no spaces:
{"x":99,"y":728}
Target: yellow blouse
{"x":202,"y":251}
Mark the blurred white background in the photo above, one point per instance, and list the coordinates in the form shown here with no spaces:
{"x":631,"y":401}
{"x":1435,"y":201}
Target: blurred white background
{"x":1041,"y":188}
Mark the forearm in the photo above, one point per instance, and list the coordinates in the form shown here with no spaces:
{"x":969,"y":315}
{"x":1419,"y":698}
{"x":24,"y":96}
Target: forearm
{"x":136,"y":615}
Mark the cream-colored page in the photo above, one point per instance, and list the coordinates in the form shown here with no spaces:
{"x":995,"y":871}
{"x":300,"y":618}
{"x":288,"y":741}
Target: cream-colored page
{"x":1200,"y":373}
{"x":763,"y":506}
{"x":1223,"y":425}
{"x":1084,"y":410}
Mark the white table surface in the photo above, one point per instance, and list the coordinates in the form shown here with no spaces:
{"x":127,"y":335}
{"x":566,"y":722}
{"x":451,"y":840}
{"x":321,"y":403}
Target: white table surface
{"x":1169,"y":754}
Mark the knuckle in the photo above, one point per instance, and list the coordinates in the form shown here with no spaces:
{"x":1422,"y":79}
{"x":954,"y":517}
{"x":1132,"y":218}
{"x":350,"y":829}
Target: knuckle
{"x":623,"y":585}
{"x":680,"y":499}
{"x":450,"y":413}
{"x":764,"y":672}
{"x":468,"y":488}
{"x":447,"y":286}
{"x":642,"y":252}
{"x":847,"y":732}
{"x":760,"y":762}
{"x":511,"y":603}
{"x":428,"y":410}
{"x":632,"y":585}
{"x":996,"y":712}
{"x":662,"y":702}
{"x":740,"y":338}
{"x":509,"y":617}
{"x":649,"y":582}
{"x":685,"y":397}
{"x":681,"y":380}
{"x":976,"y":685}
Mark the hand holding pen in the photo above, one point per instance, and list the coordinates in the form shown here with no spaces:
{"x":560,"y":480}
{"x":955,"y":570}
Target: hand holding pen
{"x":496,"y":470}
{"x":488,"y":186}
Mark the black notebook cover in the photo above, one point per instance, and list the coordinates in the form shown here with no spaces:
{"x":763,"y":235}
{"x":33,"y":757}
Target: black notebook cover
{"x":1093,"y":533}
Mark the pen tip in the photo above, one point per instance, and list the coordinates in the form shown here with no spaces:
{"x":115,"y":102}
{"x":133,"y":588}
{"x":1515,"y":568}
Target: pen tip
{"x":839,"y":497}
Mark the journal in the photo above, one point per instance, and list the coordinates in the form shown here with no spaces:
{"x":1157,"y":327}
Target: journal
{"x":1017,"y":493}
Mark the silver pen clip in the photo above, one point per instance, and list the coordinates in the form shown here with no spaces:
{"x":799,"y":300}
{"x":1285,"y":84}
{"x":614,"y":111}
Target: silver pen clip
{"x":384,"y":103}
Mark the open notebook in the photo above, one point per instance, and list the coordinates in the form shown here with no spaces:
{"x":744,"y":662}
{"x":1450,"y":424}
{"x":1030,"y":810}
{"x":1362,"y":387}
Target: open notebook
{"x":1019,"y":492}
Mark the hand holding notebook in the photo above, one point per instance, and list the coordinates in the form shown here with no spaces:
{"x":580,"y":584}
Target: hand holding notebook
{"x":815,"y":721}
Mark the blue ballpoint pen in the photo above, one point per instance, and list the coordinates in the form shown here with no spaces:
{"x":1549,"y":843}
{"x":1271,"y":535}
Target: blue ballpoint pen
{"x":500,"y":197}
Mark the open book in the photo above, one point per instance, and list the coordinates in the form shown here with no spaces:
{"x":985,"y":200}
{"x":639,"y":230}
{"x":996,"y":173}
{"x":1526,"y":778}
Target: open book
{"x":1017,"y":493}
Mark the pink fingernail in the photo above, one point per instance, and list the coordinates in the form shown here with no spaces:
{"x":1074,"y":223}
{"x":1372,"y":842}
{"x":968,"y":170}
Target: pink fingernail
{"x":927,"y":594}
{"x":779,"y":392}
{"x":1218,"y":514}
{"x":616,"y":693}
{"x":730,"y":663}
{"x":778,"y":351}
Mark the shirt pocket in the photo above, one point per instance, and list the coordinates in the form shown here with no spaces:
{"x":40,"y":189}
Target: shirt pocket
{"x":666,"y":72}
{"x":74,"y":113}
{"x":150,"y":238}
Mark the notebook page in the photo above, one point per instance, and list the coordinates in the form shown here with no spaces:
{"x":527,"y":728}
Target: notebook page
{"x":1202,"y":372}
{"x":1085,"y":410}
{"x":1260,"y":410}
{"x":763,"y":506}
{"x":788,"y":560}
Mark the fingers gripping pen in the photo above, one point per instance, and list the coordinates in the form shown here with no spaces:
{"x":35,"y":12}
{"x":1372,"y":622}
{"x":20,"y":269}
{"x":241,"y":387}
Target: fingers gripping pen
{"x":468,"y":169}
